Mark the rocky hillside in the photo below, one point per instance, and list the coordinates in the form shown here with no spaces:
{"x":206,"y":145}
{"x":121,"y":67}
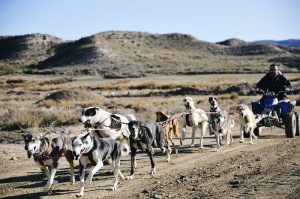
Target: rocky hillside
{"x":129,"y":54}
{"x":27,"y":49}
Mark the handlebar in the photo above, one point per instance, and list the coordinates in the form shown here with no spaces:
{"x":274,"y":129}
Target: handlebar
{"x":270,"y":93}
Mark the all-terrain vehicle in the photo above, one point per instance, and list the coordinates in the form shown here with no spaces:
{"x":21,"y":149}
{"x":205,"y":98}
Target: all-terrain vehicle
{"x":276,"y":113}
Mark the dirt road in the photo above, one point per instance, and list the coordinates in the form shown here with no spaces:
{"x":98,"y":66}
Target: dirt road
{"x":270,"y":168}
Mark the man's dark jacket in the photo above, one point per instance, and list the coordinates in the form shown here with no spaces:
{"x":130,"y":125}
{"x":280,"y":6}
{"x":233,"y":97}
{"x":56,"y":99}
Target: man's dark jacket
{"x":274,"y":84}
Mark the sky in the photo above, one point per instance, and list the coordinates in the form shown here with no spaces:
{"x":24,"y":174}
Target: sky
{"x":208,"y":20}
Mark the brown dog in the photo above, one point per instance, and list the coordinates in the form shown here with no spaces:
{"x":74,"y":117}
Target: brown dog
{"x":169,"y":127}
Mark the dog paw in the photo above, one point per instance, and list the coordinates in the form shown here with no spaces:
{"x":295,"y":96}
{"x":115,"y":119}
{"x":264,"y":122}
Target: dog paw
{"x":113,"y":188}
{"x":79,"y":195}
{"x":46,"y":188}
{"x":129,"y":177}
{"x":217,"y":150}
{"x":241,"y":141}
{"x":88,"y":182}
{"x":201,"y":147}
{"x":49,"y":191}
{"x":168,"y":159}
{"x":251,"y":143}
{"x":192,"y":145}
{"x":152,"y":172}
{"x":122,"y":178}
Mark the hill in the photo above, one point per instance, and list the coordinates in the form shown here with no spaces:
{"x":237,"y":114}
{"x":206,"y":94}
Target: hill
{"x":27,"y":49}
{"x":116,"y":54}
{"x":285,"y":43}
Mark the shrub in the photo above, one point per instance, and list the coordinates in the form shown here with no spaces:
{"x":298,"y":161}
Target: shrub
{"x":38,"y":118}
{"x":4,"y":69}
{"x":147,"y":85}
{"x":56,"y":81}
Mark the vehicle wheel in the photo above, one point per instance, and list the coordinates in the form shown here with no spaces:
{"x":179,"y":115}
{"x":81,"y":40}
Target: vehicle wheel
{"x":297,"y":124}
{"x":256,"y":131}
{"x":290,"y":125}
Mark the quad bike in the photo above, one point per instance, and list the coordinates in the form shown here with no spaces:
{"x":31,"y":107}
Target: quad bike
{"x":276,"y":113}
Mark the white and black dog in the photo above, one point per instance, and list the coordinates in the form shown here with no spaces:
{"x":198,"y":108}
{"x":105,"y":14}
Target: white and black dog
{"x":47,"y":151}
{"x":214,"y":106}
{"x":110,"y":125}
{"x":145,"y":137}
{"x":92,"y":150}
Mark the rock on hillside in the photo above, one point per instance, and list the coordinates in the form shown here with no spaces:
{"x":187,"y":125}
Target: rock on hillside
{"x":27,"y":49}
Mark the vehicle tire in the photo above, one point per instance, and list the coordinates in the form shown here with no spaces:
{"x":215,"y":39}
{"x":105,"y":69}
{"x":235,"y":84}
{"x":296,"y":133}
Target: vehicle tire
{"x":297,"y":124}
{"x":256,"y":131}
{"x":290,"y":125}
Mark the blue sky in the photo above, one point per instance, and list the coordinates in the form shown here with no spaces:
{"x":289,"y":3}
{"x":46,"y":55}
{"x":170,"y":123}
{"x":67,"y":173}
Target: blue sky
{"x":208,"y":20}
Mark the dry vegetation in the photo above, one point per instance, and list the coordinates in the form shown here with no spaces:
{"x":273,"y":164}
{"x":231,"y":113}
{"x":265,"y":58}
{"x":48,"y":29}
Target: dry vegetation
{"x":39,"y":101}
{"x":47,"y":82}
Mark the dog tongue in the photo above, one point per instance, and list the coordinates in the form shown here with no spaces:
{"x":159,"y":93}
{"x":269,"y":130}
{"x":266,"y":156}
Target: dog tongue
{"x":87,"y":125}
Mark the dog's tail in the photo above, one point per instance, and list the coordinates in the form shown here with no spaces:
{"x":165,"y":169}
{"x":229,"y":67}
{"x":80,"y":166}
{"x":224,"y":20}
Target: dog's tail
{"x":232,"y":124}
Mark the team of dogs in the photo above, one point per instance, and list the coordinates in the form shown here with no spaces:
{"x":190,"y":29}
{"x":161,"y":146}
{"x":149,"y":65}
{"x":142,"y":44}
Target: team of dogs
{"x":109,"y":136}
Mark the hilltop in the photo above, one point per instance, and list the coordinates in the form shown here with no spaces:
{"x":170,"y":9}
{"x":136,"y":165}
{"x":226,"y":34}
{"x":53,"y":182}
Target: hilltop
{"x":115,"y":54}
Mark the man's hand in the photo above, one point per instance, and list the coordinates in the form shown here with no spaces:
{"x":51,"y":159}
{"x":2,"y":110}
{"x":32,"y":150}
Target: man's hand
{"x":288,"y":90}
{"x":259,"y":91}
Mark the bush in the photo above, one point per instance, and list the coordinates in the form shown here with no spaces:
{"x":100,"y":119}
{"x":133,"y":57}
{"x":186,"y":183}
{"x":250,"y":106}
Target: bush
{"x":5,"y":70}
{"x":37,"y":118}
{"x":56,"y":81}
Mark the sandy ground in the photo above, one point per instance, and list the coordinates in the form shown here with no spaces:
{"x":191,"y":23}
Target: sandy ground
{"x":270,"y":168}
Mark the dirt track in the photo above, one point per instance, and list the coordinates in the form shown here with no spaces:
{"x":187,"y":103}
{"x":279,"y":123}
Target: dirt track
{"x":268,"y":169}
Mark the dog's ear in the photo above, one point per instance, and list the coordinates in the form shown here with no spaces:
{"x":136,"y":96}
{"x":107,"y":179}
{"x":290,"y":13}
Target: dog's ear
{"x":85,"y":136}
{"x":139,"y":123}
{"x":40,"y":136}
{"x":73,"y":138}
{"x":210,"y":99}
{"x":27,"y":137}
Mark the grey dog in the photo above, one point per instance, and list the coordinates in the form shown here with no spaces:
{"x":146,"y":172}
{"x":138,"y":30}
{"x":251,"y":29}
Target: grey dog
{"x":47,"y":151}
{"x":221,"y":125}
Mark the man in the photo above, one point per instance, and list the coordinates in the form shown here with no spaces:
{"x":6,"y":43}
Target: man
{"x":275,"y":82}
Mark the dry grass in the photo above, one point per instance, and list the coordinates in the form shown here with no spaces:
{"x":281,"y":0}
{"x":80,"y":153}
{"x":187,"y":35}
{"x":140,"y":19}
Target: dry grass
{"x":56,"y":81}
{"x":26,"y":118}
{"x":22,"y":111}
